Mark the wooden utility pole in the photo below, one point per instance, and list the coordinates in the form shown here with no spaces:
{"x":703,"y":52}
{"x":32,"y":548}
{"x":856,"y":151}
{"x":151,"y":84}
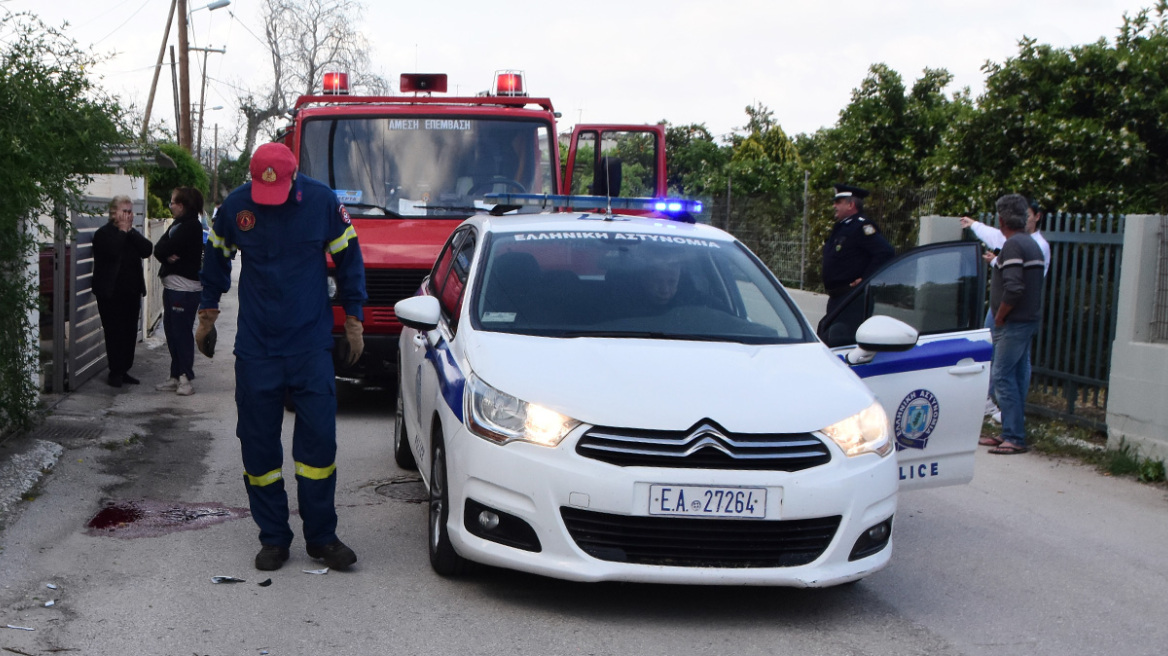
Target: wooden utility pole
{"x":174,"y":89}
{"x":184,"y":79}
{"x":157,"y":69}
{"x":215,"y":172}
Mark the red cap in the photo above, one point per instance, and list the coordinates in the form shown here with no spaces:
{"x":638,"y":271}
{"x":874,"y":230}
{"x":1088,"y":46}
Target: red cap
{"x":272,"y":168}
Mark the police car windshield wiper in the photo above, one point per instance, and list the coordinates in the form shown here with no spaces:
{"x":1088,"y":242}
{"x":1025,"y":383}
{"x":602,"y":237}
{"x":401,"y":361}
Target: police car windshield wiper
{"x":641,"y":334}
{"x":385,"y":210}
{"x":452,"y":208}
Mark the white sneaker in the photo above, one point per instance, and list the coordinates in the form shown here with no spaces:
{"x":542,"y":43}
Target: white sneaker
{"x":184,"y":387}
{"x":168,"y":385}
{"x":997,"y":417}
{"x":991,"y":407}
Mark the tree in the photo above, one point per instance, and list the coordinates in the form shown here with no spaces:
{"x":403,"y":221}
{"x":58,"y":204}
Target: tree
{"x":56,"y":126}
{"x":694,"y":162}
{"x":305,"y":39}
{"x":763,"y":160}
{"x":886,"y":140}
{"x":1083,"y":129}
{"x":188,"y":172}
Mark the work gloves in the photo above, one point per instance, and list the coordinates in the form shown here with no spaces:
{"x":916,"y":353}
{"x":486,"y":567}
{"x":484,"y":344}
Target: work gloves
{"x":353,"y":330}
{"x":205,"y":334}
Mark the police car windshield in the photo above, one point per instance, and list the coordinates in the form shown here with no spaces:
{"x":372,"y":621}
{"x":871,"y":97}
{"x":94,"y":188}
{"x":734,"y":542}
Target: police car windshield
{"x":616,"y":284}
{"x":426,"y":166}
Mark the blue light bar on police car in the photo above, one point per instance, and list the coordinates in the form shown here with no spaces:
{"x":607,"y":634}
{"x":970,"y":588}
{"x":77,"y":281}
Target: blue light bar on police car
{"x":552,"y":201}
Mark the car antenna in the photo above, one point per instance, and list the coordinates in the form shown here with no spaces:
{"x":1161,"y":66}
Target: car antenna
{"x":607,"y":192}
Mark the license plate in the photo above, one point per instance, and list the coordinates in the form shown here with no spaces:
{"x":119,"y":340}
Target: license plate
{"x":702,"y":501}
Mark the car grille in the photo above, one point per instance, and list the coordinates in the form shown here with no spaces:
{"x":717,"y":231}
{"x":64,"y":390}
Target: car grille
{"x":388,"y":286}
{"x":706,"y":446}
{"x":689,"y":542}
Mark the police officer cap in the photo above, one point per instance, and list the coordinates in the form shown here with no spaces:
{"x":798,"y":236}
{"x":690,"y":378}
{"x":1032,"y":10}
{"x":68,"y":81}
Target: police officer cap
{"x":848,"y":191}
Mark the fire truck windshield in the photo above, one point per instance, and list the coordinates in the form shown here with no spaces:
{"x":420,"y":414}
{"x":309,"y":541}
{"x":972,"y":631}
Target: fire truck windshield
{"x":426,"y":166}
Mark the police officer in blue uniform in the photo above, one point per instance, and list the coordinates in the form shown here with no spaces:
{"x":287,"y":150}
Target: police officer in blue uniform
{"x":284,"y":224}
{"x":854,"y":249}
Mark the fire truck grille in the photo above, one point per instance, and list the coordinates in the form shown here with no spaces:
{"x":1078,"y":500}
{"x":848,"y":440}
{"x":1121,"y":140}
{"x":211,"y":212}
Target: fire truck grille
{"x":706,"y":446}
{"x":388,"y":286}
{"x":691,"y":542}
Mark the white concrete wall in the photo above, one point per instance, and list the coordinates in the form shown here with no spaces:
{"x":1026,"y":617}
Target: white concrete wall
{"x":1136,"y":409}
{"x":936,"y":229}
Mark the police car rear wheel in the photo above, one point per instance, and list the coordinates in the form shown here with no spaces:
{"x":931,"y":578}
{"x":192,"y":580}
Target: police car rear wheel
{"x":401,"y":442}
{"x":443,"y":559}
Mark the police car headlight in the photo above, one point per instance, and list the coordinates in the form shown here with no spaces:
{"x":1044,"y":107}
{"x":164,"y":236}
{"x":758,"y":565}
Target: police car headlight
{"x":502,"y":418}
{"x":865,"y":432}
{"x":332,"y":288}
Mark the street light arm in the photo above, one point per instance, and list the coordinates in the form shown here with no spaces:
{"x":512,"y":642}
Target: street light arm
{"x":218,"y":4}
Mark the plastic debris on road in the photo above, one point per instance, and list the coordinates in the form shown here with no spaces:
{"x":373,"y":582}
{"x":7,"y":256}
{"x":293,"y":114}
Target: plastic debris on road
{"x":20,"y":628}
{"x":227,"y":579}
{"x":265,"y":583}
{"x":51,"y":586}
{"x":50,"y":603}
{"x":315,"y":571}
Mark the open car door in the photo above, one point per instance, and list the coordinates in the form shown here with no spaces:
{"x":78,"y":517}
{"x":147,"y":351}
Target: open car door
{"x":616,"y":160}
{"x":934,"y":393}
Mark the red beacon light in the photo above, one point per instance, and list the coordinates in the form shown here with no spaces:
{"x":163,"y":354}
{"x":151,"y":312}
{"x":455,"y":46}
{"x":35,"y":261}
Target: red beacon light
{"x":509,"y":83}
{"x":336,"y":84}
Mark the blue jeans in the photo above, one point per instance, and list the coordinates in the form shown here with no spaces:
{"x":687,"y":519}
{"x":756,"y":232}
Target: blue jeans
{"x":179,"y":310}
{"x":1011,"y":374}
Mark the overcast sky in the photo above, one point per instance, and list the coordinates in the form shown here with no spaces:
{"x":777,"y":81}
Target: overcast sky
{"x":636,"y":61}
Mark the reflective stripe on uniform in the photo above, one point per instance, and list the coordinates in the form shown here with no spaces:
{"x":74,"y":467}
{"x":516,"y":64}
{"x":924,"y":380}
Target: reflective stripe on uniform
{"x":341,"y":243}
{"x":219,"y":243}
{"x":266,"y":479}
{"x":315,"y":473}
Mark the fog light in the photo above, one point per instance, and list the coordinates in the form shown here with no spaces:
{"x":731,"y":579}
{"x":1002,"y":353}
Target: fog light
{"x":488,"y":520}
{"x":878,"y":533}
{"x":498,"y":526}
{"x":872,"y":540}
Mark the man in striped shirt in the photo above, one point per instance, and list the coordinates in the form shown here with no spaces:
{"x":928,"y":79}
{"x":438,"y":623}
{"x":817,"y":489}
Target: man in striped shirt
{"x":1016,"y":303}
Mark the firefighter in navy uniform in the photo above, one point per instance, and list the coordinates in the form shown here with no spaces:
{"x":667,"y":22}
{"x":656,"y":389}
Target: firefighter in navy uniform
{"x":284,"y":224}
{"x":854,"y":249}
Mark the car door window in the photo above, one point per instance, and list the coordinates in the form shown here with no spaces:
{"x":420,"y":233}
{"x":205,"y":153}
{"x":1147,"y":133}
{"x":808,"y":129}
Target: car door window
{"x":442,"y":264}
{"x":935,"y":289}
{"x":450,"y":274}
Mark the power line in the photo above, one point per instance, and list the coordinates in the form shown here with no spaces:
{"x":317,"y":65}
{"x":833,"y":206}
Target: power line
{"x":128,"y":18}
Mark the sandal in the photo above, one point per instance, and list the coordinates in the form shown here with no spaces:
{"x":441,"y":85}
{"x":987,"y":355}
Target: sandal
{"x":990,"y":441}
{"x":1008,"y":448}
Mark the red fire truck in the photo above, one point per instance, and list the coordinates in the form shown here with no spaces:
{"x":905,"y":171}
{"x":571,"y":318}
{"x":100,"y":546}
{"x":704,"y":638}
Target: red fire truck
{"x":409,"y":168}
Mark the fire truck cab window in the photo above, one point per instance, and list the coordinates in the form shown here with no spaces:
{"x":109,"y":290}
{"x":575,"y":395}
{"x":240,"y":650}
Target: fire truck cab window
{"x":436,"y":166}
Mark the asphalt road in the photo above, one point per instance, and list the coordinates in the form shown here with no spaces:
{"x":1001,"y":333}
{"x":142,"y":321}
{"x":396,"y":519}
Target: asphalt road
{"x":1036,"y":556}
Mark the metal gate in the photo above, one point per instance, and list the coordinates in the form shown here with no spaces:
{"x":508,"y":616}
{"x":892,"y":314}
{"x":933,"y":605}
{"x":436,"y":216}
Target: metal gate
{"x":1072,"y":356}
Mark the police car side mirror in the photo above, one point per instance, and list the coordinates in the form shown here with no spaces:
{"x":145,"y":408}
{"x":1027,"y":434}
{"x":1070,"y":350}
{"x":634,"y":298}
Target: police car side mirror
{"x":418,"y":312}
{"x":881,"y":333}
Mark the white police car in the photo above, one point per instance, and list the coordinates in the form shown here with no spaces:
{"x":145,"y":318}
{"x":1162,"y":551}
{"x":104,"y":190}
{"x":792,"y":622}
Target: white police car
{"x":596,"y":397}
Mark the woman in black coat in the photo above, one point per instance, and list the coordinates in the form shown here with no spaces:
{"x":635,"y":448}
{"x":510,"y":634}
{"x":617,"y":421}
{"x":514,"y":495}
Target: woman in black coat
{"x":118,"y":286}
{"x":180,"y":250}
